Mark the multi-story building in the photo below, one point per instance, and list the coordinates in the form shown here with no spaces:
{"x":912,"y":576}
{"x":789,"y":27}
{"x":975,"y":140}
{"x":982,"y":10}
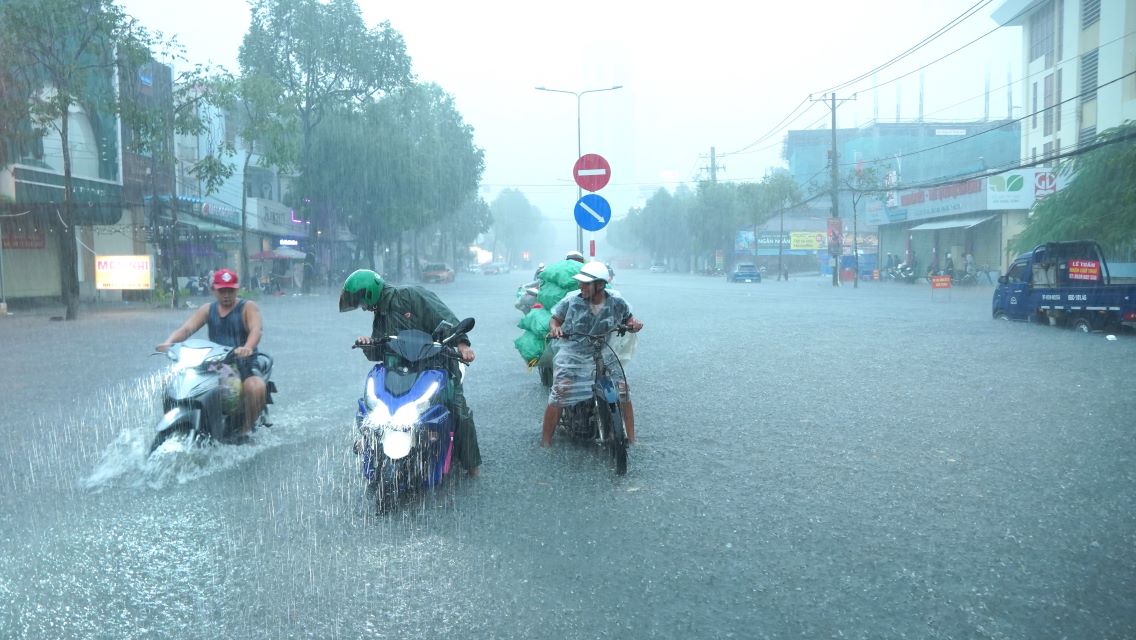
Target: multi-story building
{"x":1079,"y":70}
{"x":31,"y":196}
{"x":935,"y":173}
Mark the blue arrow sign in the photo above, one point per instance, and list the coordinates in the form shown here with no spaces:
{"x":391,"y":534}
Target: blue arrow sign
{"x":592,"y":212}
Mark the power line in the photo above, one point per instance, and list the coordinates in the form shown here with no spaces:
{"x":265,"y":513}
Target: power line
{"x":1001,"y":126}
{"x":924,"y":42}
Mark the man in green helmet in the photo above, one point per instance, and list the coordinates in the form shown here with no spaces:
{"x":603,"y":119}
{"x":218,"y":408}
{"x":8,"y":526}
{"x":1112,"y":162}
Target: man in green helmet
{"x":414,"y":307}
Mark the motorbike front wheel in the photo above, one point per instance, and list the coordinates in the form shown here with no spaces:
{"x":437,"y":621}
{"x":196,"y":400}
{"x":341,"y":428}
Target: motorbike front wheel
{"x":180,"y":430}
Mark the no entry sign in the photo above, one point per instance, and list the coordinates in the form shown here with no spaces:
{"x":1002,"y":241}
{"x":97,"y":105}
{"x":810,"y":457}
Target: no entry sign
{"x":591,"y":172}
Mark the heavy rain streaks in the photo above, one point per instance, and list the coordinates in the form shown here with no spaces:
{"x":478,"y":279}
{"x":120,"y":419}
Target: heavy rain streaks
{"x":811,"y":462}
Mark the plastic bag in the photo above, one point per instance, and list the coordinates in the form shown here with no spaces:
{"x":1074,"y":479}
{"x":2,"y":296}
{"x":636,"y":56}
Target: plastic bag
{"x":230,"y":384}
{"x":530,"y":346}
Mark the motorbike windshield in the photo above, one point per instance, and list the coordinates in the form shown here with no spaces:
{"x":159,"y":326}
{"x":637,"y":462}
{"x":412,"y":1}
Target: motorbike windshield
{"x":413,"y":345}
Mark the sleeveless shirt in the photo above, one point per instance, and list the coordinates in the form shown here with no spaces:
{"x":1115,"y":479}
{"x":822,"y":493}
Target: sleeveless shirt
{"x":230,"y":330}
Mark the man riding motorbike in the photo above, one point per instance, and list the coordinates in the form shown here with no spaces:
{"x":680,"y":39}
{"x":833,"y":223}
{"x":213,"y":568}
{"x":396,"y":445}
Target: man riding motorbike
{"x":592,"y":312}
{"x":413,"y":307}
{"x":233,"y":322}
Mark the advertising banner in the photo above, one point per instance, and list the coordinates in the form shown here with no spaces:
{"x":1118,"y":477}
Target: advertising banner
{"x":1088,"y":270}
{"x":122,"y":272}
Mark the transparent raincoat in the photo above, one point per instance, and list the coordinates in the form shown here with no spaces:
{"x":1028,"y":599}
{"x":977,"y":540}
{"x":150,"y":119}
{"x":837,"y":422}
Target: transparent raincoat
{"x":575,"y":369}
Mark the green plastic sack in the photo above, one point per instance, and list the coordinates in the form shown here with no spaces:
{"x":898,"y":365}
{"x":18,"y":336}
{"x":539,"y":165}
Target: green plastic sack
{"x":530,"y":346}
{"x":560,"y":273}
{"x":550,"y":294}
{"x":536,"y":321}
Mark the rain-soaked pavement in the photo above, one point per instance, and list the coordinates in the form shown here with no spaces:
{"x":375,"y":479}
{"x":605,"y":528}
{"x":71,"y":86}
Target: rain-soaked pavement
{"x":851,"y":463}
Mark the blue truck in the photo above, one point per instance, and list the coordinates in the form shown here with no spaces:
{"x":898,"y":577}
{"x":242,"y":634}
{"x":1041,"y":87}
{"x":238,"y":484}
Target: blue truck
{"x":1065,"y":284}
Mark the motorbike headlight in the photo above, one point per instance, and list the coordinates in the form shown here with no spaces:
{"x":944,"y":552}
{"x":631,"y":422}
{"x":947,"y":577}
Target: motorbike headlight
{"x":379,"y":415}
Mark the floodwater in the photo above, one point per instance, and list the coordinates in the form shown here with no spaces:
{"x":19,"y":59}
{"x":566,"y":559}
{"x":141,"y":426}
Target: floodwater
{"x":813,"y":462}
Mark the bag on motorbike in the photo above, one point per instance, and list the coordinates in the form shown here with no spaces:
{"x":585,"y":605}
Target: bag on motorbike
{"x":560,"y":274}
{"x":530,"y":346}
{"x":230,"y":388}
{"x":536,"y":321}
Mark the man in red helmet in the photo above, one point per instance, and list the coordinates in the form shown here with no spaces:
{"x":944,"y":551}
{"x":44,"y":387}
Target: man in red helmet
{"x":233,"y":322}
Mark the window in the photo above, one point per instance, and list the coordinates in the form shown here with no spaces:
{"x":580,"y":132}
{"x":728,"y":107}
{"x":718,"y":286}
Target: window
{"x":1017,"y":273}
{"x":1033,"y":120}
{"x":1089,"y":76}
{"x":1057,"y":104}
{"x":1041,"y":32}
{"x":1087,"y":135}
{"x":1090,"y":12}
{"x":1047,"y":118}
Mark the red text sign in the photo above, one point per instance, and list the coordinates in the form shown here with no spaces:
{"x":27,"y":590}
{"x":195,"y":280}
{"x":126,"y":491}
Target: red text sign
{"x":1084,"y":270}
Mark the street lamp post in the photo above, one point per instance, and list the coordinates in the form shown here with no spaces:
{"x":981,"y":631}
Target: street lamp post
{"x":579,"y":150}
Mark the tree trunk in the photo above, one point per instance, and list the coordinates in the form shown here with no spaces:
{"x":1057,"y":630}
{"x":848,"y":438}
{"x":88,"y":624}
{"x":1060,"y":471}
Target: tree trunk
{"x":68,"y":254}
{"x":244,"y":221}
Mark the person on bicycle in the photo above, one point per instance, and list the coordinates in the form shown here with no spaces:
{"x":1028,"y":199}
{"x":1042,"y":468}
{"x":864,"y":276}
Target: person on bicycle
{"x":593,"y":312}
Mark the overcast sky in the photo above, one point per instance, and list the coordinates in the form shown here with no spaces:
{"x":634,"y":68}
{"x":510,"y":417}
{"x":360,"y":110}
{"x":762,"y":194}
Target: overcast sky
{"x":694,"y":75}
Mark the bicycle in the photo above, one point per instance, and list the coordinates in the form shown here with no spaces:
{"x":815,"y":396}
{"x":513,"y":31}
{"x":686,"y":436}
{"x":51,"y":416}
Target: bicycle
{"x":600,"y":417}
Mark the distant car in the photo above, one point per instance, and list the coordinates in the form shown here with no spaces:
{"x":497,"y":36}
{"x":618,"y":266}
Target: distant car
{"x":437,"y":272}
{"x":495,"y":268}
{"x":658,"y":268}
{"x":745,"y":272}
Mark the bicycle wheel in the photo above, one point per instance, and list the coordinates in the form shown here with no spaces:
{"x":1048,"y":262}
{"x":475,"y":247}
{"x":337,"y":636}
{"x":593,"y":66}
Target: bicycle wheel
{"x":612,"y":430}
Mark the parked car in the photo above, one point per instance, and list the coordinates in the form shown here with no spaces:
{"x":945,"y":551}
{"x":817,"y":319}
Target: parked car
{"x":495,"y":268}
{"x":437,"y":272}
{"x":658,"y":268}
{"x":745,"y":272}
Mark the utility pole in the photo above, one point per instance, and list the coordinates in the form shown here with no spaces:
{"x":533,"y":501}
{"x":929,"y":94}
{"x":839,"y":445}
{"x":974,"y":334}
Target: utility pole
{"x":835,"y":228}
{"x":713,"y":168}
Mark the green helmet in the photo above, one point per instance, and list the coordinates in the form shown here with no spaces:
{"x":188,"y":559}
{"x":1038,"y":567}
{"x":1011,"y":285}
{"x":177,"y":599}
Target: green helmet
{"x":361,"y":289}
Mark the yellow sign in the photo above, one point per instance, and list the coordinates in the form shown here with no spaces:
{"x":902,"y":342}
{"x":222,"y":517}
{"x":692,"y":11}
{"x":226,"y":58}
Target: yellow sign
{"x":807,"y":241}
{"x":122,"y":272}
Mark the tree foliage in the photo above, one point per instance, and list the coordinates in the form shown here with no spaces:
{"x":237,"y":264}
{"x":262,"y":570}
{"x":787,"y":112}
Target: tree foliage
{"x":404,"y":163}
{"x":313,"y":58}
{"x":1099,"y":202}
{"x":516,"y":222}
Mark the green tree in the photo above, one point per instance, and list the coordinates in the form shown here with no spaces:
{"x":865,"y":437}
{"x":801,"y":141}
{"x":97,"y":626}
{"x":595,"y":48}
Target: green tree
{"x":63,"y":56}
{"x":862,"y":182}
{"x":1099,"y":203}
{"x":516,"y":222}
{"x":317,"y":57}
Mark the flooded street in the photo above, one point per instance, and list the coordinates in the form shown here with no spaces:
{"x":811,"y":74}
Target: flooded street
{"x":858,"y":463}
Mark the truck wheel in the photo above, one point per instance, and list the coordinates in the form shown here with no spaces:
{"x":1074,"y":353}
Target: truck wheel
{"x":1082,"y":324}
{"x":1001,"y":315}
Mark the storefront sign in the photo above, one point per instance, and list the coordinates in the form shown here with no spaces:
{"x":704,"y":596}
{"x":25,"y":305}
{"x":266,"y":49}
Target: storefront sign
{"x":122,"y":272}
{"x":22,"y":238}
{"x":1020,"y":188}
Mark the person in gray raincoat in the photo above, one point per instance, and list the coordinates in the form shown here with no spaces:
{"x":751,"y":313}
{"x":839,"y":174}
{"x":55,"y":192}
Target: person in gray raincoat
{"x":592,"y":312}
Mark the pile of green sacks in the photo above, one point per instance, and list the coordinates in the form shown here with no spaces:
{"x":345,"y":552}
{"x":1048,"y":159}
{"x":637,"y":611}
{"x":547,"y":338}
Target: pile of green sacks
{"x":556,"y":281}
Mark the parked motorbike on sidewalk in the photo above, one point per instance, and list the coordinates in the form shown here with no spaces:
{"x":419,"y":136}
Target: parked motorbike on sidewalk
{"x":202,"y":395}
{"x":405,"y":427}
{"x":600,"y":417}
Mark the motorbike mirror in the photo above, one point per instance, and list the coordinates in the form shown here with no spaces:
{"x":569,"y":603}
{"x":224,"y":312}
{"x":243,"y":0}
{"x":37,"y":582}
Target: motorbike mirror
{"x":441,"y":331}
{"x":465,"y":326}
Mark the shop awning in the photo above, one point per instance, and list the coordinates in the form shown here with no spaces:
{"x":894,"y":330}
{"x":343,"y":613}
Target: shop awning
{"x":963,"y":223}
{"x":280,"y":253}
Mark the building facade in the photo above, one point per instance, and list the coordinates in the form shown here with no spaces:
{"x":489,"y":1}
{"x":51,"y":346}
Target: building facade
{"x":1079,"y":70}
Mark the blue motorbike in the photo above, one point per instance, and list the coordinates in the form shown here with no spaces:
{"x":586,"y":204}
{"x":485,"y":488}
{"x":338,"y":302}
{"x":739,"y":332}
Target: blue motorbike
{"x":404,"y":422}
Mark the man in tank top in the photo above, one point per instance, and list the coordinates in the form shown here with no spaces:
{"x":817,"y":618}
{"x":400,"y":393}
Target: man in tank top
{"x":233,"y":322}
